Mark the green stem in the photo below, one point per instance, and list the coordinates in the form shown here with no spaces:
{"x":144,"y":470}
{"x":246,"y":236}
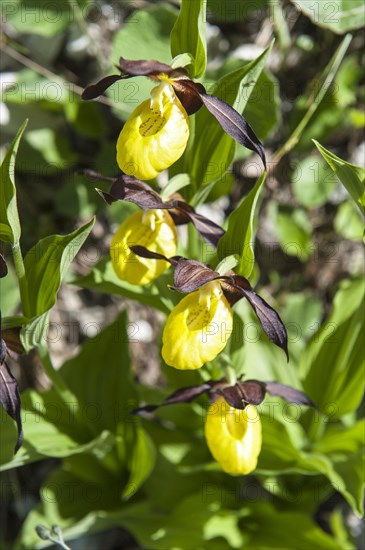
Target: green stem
{"x":315,"y":99}
{"x":193,"y":244}
{"x":22,"y":279}
{"x":280,"y":25}
{"x":189,"y":191}
{"x":231,"y":375}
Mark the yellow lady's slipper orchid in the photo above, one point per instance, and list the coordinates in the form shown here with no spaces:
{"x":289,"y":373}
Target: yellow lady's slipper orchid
{"x":198,"y":328}
{"x":233,"y":436}
{"x":153,"y":229}
{"x":155,"y":135}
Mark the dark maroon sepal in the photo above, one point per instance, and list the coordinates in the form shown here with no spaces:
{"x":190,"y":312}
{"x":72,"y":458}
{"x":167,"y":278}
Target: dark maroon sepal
{"x":230,"y":120}
{"x":94,"y":90}
{"x":243,"y":393}
{"x":270,"y":320}
{"x":9,"y":394}
{"x":3,"y":267}
{"x":184,"y":395}
{"x":145,"y":253}
{"x":234,"y":124}
{"x":143,"y":67}
{"x":253,"y":392}
{"x":190,"y":275}
{"x":289,"y":394}
{"x":127,"y":188}
{"x":209,"y":230}
{"x":188,"y":92}
{"x":14,"y":346}
{"x":128,"y":69}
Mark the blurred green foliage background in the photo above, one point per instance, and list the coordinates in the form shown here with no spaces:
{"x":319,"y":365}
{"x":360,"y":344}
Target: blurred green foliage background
{"x":309,"y":259}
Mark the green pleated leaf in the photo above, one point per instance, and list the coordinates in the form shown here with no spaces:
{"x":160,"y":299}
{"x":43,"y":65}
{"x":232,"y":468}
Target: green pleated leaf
{"x":213,"y":150}
{"x":201,"y":519}
{"x":79,"y":488}
{"x":34,"y":331}
{"x":10,"y":297}
{"x":50,"y":430}
{"x":100,"y":374}
{"x":351,"y":176}
{"x":345,"y":447}
{"x":332,"y":364}
{"x":100,"y":380}
{"x":338,"y":455}
{"x":9,"y":218}
{"x":188,"y":35}
{"x":46,"y":264}
{"x":239,"y":238}
{"x":141,"y":463}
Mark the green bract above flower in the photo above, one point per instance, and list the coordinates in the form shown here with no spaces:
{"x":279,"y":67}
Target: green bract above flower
{"x":156,"y":134}
{"x":233,"y":436}
{"x":155,"y":229}
{"x":198,"y":328}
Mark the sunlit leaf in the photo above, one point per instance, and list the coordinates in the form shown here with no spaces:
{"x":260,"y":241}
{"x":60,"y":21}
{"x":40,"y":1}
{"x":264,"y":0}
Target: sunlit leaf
{"x":352,"y":177}
{"x":46,"y":264}
{"x":239,"y":238}
{"x":188,"y":35}
{"x":9,"y":217}
{"x":332,"y":364}
{"x":141,"y":462}
{"x":345,"y":447}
